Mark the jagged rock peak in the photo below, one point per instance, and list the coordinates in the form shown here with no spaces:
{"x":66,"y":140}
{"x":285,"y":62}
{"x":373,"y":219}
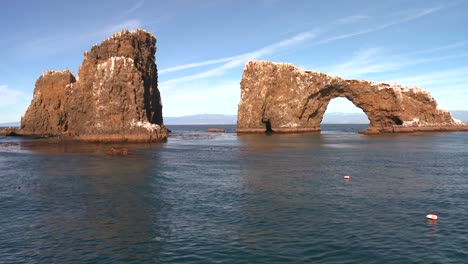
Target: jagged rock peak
{"x":52,"y":72}
{"x":125,"y":32}
{"x":115,"y":98}
{"x":284,"y":98}
{"x":136,"y":45}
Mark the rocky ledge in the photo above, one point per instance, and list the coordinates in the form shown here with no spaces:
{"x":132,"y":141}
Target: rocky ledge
{"x":280,"y":97}
{"x":115,"y":98}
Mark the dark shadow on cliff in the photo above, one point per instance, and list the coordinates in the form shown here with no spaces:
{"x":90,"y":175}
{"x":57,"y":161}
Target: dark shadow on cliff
{"x":268,"y":128}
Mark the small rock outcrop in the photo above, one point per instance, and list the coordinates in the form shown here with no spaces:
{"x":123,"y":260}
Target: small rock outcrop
{"x":216,"y":130}
{"x":118,"y":152}
{"x":280,"y":97}
{"x":115,"y":98}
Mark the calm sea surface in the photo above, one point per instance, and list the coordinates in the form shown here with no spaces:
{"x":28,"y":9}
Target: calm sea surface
{"x":223,"y":198}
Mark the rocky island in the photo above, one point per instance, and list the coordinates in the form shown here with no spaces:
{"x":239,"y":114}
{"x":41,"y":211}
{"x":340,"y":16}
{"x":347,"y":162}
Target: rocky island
{"x":115,"y":97}
{"x":280,"y":97}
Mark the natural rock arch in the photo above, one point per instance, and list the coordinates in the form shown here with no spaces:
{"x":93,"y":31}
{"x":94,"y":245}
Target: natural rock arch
{"x":367,"y":104}
{"x":294,"y":100}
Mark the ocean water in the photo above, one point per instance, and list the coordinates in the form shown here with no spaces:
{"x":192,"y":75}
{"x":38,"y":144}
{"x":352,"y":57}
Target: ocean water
{"x":222,"y":198}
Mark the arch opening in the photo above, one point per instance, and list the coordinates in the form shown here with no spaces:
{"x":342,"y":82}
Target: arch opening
{"x":342,"y":111}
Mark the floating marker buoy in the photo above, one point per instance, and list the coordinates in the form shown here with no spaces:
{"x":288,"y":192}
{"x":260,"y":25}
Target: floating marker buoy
{"x":346,"y":177}
{"x":432,"y":216}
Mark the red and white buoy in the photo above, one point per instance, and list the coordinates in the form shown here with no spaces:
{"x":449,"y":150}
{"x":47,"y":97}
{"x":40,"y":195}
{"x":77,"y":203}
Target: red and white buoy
{"x":432,"y":216}
{"x":346,"y":177}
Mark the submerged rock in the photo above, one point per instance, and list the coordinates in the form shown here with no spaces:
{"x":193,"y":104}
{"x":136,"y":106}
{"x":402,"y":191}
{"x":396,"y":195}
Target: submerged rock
{"x":115,"y":98}
{"x":216,"y":130}
{"x":118,"y":152}
{"x":9,"y":131}
{"x":280,"y":97}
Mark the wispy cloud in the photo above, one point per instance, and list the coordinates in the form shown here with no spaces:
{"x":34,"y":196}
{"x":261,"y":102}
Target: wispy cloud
{"x":443,"y":77}
{"x":376,"y":60}
{"x":418,"y":13}
{"x":409,"y":16}
{"x":135,"y":7}
{"x":196,"y":64}
{"x":130,"y":24}
{"x":235,"y":61}
{"x":181,"y":101}
{"x":351,"y":19}
{"x":57,"y":43}
{"x":9,"y":97}
{"x":441,"y":48}
{"x":13,"y":104}
{"x":296,"y":39}
{"x":449,"y":86}
{"x":362,"y":62}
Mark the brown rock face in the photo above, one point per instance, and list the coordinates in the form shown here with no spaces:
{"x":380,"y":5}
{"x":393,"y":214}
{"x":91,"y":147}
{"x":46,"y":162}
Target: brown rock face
{"x":115,"y":98}
{"x":46,"y":113}
{"x":283,"y":98}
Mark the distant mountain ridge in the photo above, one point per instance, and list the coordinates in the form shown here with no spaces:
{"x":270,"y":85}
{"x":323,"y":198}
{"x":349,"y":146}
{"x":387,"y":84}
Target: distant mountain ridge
{"x":202,"y":119}
{"x":328,"y":118}
{"x":461,"y":115}
{"x":345,"y":118}
{"x":10,"y":124}
{"x":218,"y":119}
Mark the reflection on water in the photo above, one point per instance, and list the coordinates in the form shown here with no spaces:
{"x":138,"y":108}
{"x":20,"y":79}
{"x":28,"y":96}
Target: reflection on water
{"x":80,"y":206}
{"x":203,"y":198}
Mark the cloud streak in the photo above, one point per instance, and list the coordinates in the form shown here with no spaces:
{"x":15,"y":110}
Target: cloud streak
{"x":457,"y":76}
{"x":409,"y":17}
{"x":135,"y":7}
{"x":351,"y":19}
{"x":442,"y":48}
{"x":235,"y":61}
{"x":196,"y":64}
{"x":9,"y":97}
{"x":130,"y":24}
{"x":53,"y":44}
{"x":13,"y":104}
{"x":374,"y":60}
{"x":449,"y":86}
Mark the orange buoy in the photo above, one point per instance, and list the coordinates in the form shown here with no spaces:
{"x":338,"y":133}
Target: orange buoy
{"x":432,"y":216}
{"x":346,"y":177}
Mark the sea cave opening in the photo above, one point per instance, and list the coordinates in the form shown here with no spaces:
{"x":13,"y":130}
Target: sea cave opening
{"x":267,"y":123}
{"x":341,"y":113}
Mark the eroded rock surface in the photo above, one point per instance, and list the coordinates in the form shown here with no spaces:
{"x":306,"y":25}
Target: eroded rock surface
{"x":46,"y":113}
{"x":283,"y":98}
{"x":115,"y":98}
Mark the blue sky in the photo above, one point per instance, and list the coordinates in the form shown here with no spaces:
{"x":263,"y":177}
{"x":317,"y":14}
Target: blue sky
{"x":203,"y":45}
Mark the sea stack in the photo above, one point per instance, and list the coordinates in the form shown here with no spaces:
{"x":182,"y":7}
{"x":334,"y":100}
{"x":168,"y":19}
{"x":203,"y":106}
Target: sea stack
{"x":115,"y":97}
{"x":280,"y":97}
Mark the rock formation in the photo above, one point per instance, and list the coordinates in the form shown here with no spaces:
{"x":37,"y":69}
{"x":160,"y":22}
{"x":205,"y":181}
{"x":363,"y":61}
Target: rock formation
{"x":46,"y":113}
{"x":115,"y":98}
{"x":283,"y":98}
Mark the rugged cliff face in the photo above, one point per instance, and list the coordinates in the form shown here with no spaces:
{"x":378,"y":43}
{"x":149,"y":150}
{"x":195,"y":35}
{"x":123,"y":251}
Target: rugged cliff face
{"x":283,"y":98}
{"x":46,"y":113}
{"x":115,"y":98}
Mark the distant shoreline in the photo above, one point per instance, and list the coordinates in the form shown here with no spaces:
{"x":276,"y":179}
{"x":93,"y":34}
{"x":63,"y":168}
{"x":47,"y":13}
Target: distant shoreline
{"x":220,"y":119}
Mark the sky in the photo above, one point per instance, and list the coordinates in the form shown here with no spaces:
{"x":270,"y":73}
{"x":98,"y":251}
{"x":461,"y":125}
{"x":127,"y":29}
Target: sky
{"x":203,"y":45}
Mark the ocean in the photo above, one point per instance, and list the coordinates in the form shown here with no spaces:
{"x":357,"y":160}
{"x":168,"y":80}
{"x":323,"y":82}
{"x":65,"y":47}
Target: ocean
{"x":226,"y":198}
